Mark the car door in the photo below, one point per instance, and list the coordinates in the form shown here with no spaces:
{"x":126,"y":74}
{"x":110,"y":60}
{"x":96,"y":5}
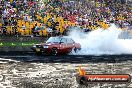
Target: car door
{"x":63,"y":45}
{"x":70,"y":44}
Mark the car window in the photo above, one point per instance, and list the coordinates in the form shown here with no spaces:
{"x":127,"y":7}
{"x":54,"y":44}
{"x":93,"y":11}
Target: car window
{"x":70,"y":41}
{"x":53,"y":40}
{"x":63,"y":40}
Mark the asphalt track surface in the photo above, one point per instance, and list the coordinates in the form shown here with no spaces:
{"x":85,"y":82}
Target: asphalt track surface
{"x":32,"y":57}
{"x":27,"y":70}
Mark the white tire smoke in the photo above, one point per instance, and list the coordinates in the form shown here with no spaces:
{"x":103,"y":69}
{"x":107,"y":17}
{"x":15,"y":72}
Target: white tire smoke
{"x":102,"y":41}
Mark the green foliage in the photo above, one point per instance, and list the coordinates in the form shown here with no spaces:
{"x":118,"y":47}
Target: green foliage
{"x":17,"y":44}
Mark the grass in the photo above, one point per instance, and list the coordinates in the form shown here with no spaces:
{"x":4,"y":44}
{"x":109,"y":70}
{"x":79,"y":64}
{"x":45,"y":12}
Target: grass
{"x":17,"y":43}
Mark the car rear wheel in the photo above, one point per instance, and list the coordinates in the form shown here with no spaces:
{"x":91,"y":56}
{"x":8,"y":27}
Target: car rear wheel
{"x":75,"y":50}
{"x":54,"y":51}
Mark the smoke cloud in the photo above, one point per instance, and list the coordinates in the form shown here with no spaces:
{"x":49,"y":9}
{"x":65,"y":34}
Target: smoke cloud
{"x":100,"y":41}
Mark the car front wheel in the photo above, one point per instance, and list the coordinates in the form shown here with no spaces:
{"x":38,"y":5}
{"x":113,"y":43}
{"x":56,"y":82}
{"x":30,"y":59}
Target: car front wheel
{"x":54,"y":51}
{"x":38,"y":53}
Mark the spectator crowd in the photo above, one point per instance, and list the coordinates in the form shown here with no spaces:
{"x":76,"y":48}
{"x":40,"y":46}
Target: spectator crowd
{"x":54,"y":17}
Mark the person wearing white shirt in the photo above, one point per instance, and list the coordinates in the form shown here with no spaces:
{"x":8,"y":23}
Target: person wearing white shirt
{"x":49,"y":30}
{"x":23,"y":27}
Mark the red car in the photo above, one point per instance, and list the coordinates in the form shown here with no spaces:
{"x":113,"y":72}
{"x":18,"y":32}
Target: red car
{"x":56,"y":46}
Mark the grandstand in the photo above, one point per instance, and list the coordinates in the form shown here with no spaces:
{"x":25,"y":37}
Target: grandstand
{"x":53,"y":17}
